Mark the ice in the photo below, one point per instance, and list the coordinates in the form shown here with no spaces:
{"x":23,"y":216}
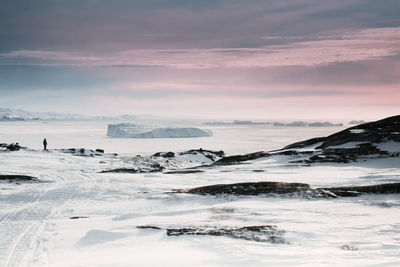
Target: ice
{"x":127,"y":130}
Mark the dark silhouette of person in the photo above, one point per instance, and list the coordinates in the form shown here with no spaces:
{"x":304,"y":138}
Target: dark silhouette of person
{"x":45,"y":144}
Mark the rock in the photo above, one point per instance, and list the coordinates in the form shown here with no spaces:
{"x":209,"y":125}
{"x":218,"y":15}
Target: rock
{"x":348,"y":247}
{"x":306,"y":143}
{"x":291,"y":189}
{"x":155,"y":167}
{"x":148,"y":227}
{"x":83,"y":152}
{"x":18,"y":178}
{"x":13,"y":147}
{"x":345,"y":191}
{"x":219,"y":153}
{"x":371,"y":132}
{"x":231,"y":160}
{"x":164,"y":154}
{"x":360,"y":142}
{"x":260,"y":188}
{"x":259,"y":233}
{"x":121,"y":170}
{"x":78,"y":217}
{"x":183,"y":171}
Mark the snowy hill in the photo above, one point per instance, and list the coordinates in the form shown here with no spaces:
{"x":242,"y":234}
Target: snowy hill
{"x":379,"y":139}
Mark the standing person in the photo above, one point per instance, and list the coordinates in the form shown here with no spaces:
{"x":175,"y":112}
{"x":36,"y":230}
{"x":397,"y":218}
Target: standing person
{"x":45,"y":144}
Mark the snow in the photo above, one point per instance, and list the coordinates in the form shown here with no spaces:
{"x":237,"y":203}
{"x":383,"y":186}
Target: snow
{"x":127,"y":130}
{"x":36,"y":229}
{"x":357,"y":131}
{"x":348,"y":145}
{"x":390,"y":146}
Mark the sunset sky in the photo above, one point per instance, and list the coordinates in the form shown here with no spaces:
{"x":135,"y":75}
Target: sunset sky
{"x":232,"y":59}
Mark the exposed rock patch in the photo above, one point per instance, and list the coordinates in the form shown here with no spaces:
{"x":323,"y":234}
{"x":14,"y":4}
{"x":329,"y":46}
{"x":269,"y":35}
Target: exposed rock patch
{"x":390,"y":188}
{"x":231,"y":160}
{"x":260,"y":188}
{"x":258,"y":233}
{"x":291,"y":189}
{"x":18,"y":178}
{"x":78,"y":217}
{"x":183,"y":171}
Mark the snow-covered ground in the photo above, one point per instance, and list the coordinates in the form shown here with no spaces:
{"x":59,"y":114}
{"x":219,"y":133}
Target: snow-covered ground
{"x":78,"y":216}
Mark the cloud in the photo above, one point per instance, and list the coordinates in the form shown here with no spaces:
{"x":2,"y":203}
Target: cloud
{"x":349,"y":46}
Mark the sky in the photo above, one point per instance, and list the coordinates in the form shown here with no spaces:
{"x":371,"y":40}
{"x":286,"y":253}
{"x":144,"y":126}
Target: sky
{"x":219,"y":59}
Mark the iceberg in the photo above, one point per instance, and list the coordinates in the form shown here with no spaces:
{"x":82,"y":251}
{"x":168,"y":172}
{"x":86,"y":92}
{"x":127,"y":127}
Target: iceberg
{"x":128,"y":130}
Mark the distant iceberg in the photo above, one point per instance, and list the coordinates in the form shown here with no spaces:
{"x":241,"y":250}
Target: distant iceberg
{"x":128,"y":130}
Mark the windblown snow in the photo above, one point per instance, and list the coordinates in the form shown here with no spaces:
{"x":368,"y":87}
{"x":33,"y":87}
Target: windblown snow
{"x":128,"y":130}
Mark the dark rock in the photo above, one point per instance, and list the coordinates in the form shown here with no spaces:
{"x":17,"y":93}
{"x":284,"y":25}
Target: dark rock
{"x":219,"y":153}
{"x":306,"y":143}
{"x":288,"y":153}
{"x":13,"y":147}
{"x":260,"y":233}
{"x":155,"y":167}
{"x":187,"y":171}
{"x":371,"y":132}
{"x":292,"y":189}
{"x":164,"y":154}
{"x":260,"y":188}
{"x":99,"y":150}
{"x":148,"y":227}
{"x":345,"y":155}
{"x":391,"y":188}
{"x":18,"y":178}
{"x":78,"y":217}
{"x":231,"y":160}
{"x":367,"y":134}
{"x":121,"y":170}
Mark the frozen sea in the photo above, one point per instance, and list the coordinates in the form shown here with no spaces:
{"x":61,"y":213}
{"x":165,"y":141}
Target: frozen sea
{"x":233,"y":139}
{"x":36,"y":229}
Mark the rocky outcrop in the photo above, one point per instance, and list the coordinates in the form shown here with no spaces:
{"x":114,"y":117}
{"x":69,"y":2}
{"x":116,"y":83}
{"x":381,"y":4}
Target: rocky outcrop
{"x":372,"y":132}
{"x":390,"y":188}
{"x":258,"y":233}
{"x":164,"y":154}
{"x":260,"y":188}
{"x":11,"y":147}
{"x":155,"y":168}
{"x":83,"y":152}
{"x":237,"y":159}
{"x":353,"y":144}
{"x":18,"y":178}
{"x":291,"y":190}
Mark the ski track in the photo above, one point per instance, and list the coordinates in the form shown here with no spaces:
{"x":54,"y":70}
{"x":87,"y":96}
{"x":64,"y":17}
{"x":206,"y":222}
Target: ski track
{"x":29,"y":212}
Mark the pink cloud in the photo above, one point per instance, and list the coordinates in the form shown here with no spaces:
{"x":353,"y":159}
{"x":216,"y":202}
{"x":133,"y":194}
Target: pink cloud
{"x":351,"y":46}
